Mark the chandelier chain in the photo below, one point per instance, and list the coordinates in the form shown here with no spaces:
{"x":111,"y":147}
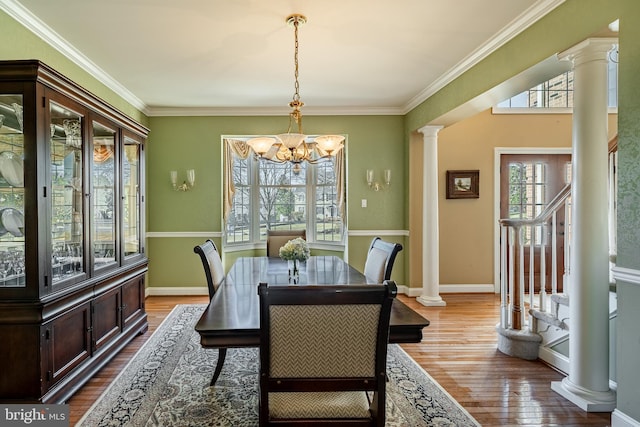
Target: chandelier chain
{"x":296,"y":95}
{"x":291,"y":147}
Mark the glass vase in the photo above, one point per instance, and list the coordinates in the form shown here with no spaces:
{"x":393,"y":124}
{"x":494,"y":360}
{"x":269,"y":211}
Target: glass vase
{"x":294,"y":271}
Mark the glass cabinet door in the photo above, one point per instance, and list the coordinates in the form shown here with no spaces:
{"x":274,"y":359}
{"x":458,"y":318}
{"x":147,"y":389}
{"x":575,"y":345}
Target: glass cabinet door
{"x":12,"y":240}
{"x":67,"y":206}
{"x":131,"y":217}
{"x":103,"y":176}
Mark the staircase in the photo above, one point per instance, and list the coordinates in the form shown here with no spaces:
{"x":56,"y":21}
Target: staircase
{"x":534,"y":315}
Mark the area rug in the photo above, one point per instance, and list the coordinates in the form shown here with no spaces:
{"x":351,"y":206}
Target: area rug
{"x":167,"y":384}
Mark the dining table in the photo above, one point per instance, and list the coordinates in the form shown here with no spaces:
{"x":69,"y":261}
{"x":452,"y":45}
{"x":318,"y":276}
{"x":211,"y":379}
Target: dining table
{"x":232,"y":318}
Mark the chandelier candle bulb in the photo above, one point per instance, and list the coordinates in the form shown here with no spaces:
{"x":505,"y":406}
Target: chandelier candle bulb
{"x":174,"y":177}
{"x":370,"y":177}
{"x":387,"y":177}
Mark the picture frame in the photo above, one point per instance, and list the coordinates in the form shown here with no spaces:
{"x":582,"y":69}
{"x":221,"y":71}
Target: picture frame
{"x":463,"y":184}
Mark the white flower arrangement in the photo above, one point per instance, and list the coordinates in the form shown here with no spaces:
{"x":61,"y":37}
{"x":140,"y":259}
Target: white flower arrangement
{"x":296,"y":249}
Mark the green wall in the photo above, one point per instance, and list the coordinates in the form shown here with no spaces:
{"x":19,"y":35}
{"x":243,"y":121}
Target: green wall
{"x":628,"y":233}
{"x":180,"y":143}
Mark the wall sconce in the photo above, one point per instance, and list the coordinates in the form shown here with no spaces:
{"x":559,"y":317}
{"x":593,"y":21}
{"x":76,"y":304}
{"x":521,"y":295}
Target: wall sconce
{"x":187,"y":184}
{"x":375,"y":185}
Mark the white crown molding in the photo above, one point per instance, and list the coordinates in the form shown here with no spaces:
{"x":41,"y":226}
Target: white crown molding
{"x":515,"y":27}
{"x":39,"y":28}
{"x":42,"y":30}
{"x":271,"y":111}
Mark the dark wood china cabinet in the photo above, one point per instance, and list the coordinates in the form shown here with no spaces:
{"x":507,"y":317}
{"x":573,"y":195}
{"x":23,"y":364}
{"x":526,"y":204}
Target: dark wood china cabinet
{"x":72,"y":256}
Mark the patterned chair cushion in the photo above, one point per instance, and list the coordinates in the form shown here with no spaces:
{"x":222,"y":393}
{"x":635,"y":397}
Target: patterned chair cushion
{"x":344,"y":352}
{"x":349,"y":404}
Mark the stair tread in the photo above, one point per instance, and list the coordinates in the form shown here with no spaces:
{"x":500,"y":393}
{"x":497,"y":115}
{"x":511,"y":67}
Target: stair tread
{"x":562,"y":299}
{"x":548,"y":318}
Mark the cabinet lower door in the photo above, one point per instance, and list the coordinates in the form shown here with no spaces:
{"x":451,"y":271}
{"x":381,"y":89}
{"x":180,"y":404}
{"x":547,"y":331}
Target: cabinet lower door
{"x":133,"y":301}
{"x":69,"y":341}
{"x":107,"y":319}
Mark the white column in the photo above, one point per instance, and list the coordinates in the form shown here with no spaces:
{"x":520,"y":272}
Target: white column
{"x":588,"y":382}
{"x":430,"y":235}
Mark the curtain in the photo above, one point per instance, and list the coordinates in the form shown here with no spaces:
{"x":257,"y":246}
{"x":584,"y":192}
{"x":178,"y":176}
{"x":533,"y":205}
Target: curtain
{"x":231,"y":147}
{"x":338,"y":167}
{"x":102,"y":153}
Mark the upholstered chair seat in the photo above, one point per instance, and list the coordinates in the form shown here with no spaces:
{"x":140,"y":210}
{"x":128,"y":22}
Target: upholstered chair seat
{"x":322,"y":405}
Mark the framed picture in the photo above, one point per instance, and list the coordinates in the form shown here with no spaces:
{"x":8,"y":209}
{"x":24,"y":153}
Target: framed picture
{"x":463,"y":184}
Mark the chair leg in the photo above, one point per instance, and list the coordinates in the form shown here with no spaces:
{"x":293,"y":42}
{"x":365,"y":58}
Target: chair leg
{"x":222,"y":354}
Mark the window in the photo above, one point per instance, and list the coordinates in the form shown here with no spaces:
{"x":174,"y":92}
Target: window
{"x":277,"y":196}
{"x":532,"y":185}
{"x":558,"y":92}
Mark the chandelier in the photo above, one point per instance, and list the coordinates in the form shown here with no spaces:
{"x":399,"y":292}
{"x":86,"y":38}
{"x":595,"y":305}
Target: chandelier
{"x":292,"y":146}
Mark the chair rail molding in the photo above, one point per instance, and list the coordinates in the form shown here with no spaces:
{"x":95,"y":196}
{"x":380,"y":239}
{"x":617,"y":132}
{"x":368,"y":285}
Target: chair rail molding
{"x":151,"y":234}
{"x":628,"y":275}
{"x":373,"y":233}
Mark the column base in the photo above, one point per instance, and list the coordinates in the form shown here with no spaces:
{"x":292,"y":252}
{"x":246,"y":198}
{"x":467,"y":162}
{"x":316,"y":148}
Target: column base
{"x":587,"y":400}
{"x":431,"y":301}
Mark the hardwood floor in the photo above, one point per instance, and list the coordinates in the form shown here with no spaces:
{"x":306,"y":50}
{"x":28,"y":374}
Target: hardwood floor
{"x":459,"y":350}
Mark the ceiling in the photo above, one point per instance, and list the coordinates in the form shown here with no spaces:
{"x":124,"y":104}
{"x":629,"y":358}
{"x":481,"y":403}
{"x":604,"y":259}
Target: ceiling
{"x":356,"y":56}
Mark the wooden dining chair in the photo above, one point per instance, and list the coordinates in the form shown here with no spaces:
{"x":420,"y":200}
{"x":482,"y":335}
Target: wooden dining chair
{"x":380,"y":259}
{"x":323,"y":352}
{"x":214,"y":272}
{"x":277,"y":239}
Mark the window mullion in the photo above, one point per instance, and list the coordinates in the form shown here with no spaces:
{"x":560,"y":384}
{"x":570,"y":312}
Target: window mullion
{"x":311,"y":202}
{"x":254,"y":180}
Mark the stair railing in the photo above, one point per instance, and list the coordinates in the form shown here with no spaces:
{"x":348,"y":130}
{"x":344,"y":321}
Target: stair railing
{"x":540,"y":232}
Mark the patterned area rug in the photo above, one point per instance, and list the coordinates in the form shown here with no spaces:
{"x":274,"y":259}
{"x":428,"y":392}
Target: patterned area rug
{"x":167,"y":384}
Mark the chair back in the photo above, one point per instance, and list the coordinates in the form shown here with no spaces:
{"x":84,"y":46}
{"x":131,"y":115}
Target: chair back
{"x":380,"y":259}
{"x":320,"y":344}
{"x":278,"y":238}
{"x":212,"y":263}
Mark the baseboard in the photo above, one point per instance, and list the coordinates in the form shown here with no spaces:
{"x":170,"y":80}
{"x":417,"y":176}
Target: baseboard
{"x":454,"y":289}
{"x":176,"y":291}
{"x":620,"y":419}
{"x":555,"y":359}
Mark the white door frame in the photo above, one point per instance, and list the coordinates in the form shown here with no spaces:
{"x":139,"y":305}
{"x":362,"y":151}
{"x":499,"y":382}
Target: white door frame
{"x":498,"y":151}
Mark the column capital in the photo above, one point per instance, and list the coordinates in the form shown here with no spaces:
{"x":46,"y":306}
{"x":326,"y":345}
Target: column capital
{"x":430,"y":130}
{"x":589,"y":50}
